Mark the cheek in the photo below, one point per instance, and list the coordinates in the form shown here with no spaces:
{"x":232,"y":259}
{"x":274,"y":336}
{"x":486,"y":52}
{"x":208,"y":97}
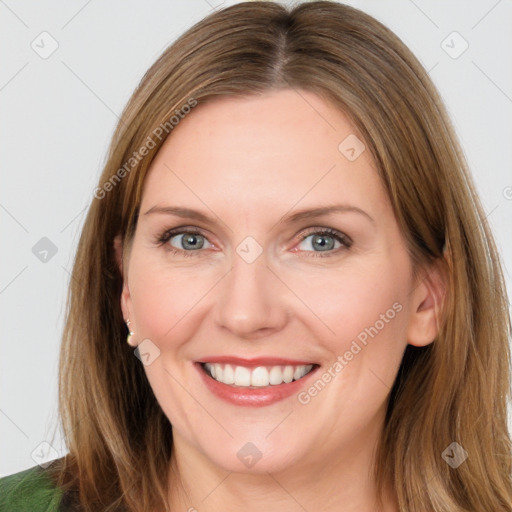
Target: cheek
{"x":367,"y":312}
{"x":366,"y":305}
{"x":162,"y":298}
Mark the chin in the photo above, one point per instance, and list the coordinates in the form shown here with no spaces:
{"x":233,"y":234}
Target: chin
{"x":256,"y":458}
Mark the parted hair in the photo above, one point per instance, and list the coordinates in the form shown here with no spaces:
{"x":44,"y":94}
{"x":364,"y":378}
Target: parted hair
{"x":455,"y":389}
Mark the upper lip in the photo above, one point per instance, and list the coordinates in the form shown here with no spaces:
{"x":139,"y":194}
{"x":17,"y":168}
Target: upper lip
{"x":254,"y":362}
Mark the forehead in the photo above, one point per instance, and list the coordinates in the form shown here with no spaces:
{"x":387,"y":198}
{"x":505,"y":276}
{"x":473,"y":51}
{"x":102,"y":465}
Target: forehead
{"x":276,"y":149}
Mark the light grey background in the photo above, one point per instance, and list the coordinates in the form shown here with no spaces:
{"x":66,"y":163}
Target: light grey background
{"x":59,"y":112}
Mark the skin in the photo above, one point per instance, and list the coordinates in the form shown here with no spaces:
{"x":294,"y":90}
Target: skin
{"x":248,"y":163}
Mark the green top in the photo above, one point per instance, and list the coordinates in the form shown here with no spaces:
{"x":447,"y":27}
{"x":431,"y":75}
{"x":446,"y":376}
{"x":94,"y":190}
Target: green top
{"x":29,"y":491}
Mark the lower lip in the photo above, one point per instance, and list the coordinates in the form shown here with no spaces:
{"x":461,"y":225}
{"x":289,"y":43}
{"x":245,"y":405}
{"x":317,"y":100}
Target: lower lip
{"x":252,"y":397}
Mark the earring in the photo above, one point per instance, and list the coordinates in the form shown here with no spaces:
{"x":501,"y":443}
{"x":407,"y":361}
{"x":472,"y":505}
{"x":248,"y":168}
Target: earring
{"x":130,"y":334}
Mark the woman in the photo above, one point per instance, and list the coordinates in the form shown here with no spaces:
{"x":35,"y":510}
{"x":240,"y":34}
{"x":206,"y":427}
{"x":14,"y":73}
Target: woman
{"x":315,"y":308}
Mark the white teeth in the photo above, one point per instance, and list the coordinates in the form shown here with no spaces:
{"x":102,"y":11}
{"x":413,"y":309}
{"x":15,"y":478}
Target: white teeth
{"x":242,"y":376}
{"x":218,"y":371}
{"x":260,"y":376}
{"x":229,"y":375}
{"x":297,"y":374}
{"x":288,"y":374}
{"x":276,"y":375}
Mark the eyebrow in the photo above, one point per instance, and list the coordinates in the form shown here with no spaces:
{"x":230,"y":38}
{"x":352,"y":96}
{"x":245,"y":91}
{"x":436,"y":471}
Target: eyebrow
{"x":287,"y":219}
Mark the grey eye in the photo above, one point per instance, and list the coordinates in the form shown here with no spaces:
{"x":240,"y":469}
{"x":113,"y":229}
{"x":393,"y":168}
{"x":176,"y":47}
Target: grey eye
{"x":320,"y":242}
{"x":189,"y":241}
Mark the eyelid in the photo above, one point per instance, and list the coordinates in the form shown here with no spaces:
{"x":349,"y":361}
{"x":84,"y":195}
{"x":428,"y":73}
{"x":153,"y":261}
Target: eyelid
{"x":345,"y":241}
{"x":164,"y":237}
{"x":326,"y":230}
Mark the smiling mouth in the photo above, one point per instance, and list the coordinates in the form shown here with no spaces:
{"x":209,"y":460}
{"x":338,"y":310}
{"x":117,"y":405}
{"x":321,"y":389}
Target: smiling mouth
{"x":257,"y":377}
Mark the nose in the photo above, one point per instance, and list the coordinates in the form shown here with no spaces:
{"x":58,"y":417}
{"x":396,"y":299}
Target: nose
{"x":252,"y":302}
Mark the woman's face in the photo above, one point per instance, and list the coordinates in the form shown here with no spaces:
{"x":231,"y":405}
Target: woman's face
{"x":264,"y":282}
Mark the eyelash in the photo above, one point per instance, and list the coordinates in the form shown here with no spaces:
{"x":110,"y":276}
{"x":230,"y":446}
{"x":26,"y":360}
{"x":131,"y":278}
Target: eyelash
{"x":164,"y":237}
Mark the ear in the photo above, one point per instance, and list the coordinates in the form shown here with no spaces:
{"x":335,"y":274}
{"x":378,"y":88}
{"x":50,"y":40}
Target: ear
{"x":125,"y":294}
{"x":427,"y":305}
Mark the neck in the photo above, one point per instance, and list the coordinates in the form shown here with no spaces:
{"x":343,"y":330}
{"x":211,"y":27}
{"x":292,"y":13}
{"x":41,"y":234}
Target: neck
{"x":344,"y":481}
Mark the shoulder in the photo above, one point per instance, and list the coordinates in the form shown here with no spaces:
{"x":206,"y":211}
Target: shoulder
{"x":29,"y":491}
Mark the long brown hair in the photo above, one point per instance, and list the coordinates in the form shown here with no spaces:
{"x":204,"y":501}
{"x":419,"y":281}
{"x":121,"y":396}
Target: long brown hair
{"x":454,"y":390}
